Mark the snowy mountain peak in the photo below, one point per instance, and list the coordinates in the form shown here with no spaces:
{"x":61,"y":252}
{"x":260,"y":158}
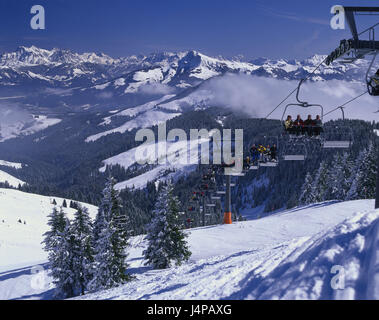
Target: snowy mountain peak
{"x":29,"y":56}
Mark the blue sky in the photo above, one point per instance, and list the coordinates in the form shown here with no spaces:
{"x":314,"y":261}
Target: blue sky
{"x":252,"y":28}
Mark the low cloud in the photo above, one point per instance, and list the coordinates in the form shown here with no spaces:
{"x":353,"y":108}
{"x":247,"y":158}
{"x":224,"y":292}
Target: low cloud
{"x":105,"y":95}
{"x":12,"y":118}
{"x":257,"y":96}
{"x":59,"y":92}
{"x":156,"y":88}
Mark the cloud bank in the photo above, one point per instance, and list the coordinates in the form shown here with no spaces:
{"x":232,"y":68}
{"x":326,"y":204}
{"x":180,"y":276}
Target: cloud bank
{"x":257,"y":96}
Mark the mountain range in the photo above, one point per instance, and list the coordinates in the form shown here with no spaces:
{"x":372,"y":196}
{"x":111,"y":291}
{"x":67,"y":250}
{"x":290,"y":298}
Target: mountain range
{"x":53,"y":83}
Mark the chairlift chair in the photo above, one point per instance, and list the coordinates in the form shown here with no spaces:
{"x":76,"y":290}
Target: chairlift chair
{"x":294,"y":151}
{"x":302,"y":104}
{"x":270,"y":141}
{"x":343,"y":133}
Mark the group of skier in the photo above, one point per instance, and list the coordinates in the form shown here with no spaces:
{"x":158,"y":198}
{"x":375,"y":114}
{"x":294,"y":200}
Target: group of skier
{"x":310,"y":127}
{"x":261,"y":153}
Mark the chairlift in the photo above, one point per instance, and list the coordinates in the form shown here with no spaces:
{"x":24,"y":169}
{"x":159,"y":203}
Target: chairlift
{"x":270,"y":141}
{"x":235,"y":174}
{"x":294,"y":151}
{"x":302,"y":104}
{"x":338,"y":137}
{"x":269,"y":164}
{"x":372,"y":88}
{"x":355,"y":48}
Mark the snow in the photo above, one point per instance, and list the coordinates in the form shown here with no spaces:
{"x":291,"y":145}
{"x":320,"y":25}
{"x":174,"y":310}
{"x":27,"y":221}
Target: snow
{"x":144,"y":77}
{"x":78,"y":72}
{"x":119,"y":82}
{"x":288,"y":255}
{"x":14,"y":165}
{"x":181,"y":160}
{"x":20,"y":244}
{"x":124,"y":159}
{"x":37,"y":76}
{"x":26,"y":127}
{"x":40,"y":124}
{"x":13,"y":182}
{"x":133,"y":112}
{"x":285,"y":256}
{"x":145,"y":120}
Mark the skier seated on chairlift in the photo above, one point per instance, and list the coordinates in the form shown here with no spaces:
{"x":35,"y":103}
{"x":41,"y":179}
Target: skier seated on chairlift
{"x":254,"y":154}
{"x":374,"y":84}
{"x":317,"y":126}
{"x":273,"y":153}
{"x":298,"y":125}
{"x":288,"y":125}
{"x":308,"y":125}
{"x":262,"y":152}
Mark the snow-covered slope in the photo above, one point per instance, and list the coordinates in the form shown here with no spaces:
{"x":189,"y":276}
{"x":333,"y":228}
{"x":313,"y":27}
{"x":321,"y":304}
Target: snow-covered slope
{"x":145,"y":120}
{"x":21,"y":243}
{"x":25,"y":125}
{"x":10,"y":164}
{"x":285,"y":256}
{"x":13,"y":181}
{"x":288,"y":255}
{"x":181,"y":158}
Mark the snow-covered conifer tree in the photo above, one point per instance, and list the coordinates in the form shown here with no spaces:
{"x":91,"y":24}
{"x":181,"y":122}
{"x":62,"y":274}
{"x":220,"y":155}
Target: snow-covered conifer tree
{"x":59,"y":245}
{"x":166,"y":241}
{"x":307,"y":195}
{"x":320,"y":183}
{"x":367,"y":180}
{"x":61,"y":262}
{"x":338,"y":177}
{"x":110,"y":242}
{"x":81,"y":229}
{"x":57,"y":224}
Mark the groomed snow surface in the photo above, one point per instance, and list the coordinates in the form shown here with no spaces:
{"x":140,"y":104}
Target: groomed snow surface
{"x":288,"y":255}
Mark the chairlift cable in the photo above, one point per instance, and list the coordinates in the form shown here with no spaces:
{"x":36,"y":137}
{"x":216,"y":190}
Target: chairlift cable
{"x":341,"y":106}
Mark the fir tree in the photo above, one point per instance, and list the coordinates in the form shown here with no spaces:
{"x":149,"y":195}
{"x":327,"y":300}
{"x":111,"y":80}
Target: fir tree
{"x":59,"y":245}
{"x":367,"y":179}
{"x":166,"y":242}
{"x":307,"y":195}
{"x":320,"y":185}
{"x":63,"y":265}
{"x":57,"y":224}
{"x":355,"y":177}
{"x":338,"y":177}
{"x":111,"y":241}
{"x":81,"y":229}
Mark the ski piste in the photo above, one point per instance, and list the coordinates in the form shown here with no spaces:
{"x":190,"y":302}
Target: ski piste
{"x":179,"y":175}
